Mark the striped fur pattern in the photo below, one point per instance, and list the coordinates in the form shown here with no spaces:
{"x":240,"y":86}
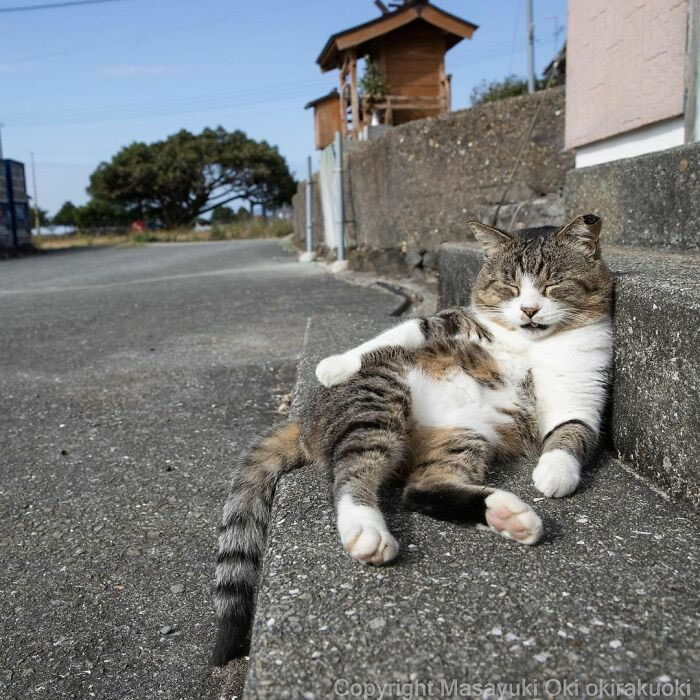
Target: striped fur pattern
{"x":242,"y":535}
{"x":433,"y":404}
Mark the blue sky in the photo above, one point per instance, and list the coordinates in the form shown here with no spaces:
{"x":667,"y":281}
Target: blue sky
{"x":79,"y":83}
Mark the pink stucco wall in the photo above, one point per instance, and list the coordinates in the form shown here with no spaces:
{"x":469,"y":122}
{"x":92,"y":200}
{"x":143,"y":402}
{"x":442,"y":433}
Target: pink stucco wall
{"x":624,"y":64}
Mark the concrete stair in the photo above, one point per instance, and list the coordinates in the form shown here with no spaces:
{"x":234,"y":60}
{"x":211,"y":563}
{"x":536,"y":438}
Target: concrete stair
{"x":609,"y":596}
{"x":654,"y":420}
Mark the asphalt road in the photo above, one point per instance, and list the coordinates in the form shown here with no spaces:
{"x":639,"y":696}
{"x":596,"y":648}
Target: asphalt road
{"x":129,"y":381}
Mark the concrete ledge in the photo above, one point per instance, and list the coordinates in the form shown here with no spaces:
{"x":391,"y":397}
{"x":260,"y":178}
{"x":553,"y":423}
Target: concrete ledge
{"x":464,"y":605}
{"x":650,"y":200}
{"x":655,"y":416}
{"x":461,"y":605}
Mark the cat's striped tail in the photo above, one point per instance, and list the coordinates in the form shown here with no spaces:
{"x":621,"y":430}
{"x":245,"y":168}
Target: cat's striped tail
{"x":243,"y":532}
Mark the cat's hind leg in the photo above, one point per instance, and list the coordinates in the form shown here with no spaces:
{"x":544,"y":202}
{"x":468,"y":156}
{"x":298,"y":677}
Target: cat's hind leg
{"x":447,"y":482}
{"x":363,"y":430}
{"x":364,"y":463}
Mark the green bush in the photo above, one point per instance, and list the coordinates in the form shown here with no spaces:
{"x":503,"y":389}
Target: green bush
{"x":144,"y":237}
{"x":218,"y":233}
{"x":510,"y":86}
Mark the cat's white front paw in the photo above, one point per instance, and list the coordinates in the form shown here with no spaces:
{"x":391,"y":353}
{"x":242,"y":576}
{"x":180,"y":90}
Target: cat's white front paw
{"x":337,"y":368}
{"x":511,"y":517}
{"x":557,"y":474}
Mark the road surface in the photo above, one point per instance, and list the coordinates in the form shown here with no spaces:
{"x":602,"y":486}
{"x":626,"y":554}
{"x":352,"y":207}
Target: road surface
{"x":130,"y":378}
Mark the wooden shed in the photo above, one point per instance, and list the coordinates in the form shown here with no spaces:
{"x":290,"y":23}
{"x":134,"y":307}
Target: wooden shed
{"x":326,"y":117}
{"x":408,"y":46}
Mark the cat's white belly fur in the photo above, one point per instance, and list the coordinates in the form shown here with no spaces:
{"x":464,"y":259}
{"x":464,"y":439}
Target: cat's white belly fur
{"x":458,"y":401}
{"x":568,"y":370}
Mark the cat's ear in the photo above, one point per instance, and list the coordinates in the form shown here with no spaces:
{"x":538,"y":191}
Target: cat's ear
{"x":492,"y":239}
{"x":586,"y":230}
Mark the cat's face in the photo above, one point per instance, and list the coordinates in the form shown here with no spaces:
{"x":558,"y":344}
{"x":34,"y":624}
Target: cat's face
{"x":541,"y":281}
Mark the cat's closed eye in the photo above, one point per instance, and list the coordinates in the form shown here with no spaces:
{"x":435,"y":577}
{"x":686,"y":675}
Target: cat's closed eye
{"x":509,"y":289}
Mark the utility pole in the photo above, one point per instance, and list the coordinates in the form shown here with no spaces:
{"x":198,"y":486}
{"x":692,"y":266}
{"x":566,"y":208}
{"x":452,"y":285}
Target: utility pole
{"x":309,"y":207}
{"x":37,"y":220}
{"x":530,"y":48}
{"x":1,"y":125}
{"x":692,"y":74}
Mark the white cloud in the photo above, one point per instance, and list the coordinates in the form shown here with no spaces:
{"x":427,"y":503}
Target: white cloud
{"x":135,"y":71}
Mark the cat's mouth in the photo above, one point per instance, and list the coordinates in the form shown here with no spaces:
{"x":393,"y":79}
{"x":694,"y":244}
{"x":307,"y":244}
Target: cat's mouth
{"x":532,"y":327}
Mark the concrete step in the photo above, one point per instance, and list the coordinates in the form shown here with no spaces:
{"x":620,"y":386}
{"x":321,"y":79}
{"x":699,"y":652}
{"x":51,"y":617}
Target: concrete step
{"x":608,"y":596}
{"x":655,"y":413}
{"x":650,"y":200}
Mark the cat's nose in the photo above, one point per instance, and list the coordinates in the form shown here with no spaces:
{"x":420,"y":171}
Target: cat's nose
{"x":529,"y":311}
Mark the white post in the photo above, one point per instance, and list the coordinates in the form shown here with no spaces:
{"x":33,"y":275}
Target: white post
{"x":530,"y":48}
{"x":37,"y":216}
{"x":309,"y":208}
{"x":340,"y":208}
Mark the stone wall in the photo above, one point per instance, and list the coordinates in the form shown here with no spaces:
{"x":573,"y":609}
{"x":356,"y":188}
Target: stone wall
{"x":421,"y":183}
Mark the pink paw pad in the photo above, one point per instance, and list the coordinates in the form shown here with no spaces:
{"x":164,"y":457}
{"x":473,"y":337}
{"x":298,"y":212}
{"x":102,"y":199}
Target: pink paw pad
{"x":510,"y":517}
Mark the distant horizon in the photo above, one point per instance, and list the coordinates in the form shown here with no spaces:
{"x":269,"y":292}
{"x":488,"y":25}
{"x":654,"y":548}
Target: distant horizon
{"x":76,"y":100}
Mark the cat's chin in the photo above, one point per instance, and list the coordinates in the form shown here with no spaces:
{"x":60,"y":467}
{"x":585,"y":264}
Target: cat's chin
{"x":536,"y":332}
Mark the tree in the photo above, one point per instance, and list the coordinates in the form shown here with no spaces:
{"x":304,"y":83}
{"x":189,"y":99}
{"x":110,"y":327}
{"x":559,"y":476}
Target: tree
{"x":373,"y":83}
{"x":98,"y":213}
{"x":223,"y":215}
{"x":43,"y":217}
{"x":66,"y":215}
{"x":185,"y":175}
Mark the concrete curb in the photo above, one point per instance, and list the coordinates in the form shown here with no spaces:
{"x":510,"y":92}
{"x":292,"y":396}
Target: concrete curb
{"x":464,"y":606}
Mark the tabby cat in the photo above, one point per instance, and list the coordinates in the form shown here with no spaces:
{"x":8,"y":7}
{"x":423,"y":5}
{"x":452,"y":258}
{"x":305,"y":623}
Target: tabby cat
{"x":433,"y":402}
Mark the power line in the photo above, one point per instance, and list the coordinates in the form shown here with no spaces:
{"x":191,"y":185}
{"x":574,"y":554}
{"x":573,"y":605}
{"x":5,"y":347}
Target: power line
{"x":54,"y":5}
{"x":133,"y":40}
{"x":237,"y":107}
{"x":231,"y":101}
{"x":487,"y":56}
{"x":489,"y":52}
{"x":170,"y":105}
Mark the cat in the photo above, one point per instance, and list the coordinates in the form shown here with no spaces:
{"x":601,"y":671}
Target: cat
{"x":435,"y":401}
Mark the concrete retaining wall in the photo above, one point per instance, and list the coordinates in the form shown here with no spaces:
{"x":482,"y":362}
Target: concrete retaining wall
{"x":421,"y":182}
